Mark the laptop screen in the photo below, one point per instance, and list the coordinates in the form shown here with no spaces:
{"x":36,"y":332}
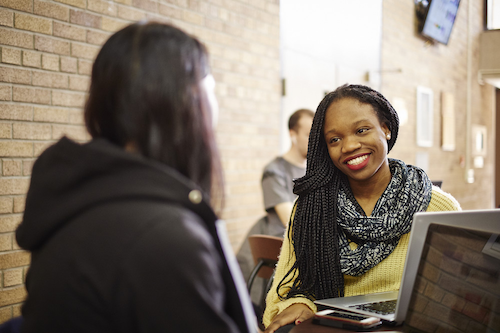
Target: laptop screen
{"x":457,"y":288}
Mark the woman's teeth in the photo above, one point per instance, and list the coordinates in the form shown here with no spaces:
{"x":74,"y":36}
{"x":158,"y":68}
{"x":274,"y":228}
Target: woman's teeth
{"x":357,"y":160}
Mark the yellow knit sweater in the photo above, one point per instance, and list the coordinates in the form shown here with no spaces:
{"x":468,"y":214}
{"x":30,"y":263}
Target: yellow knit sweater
{"x":386,"y":276}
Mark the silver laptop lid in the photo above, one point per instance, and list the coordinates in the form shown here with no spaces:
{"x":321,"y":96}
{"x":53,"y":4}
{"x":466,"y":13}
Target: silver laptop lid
{"x":452,"y":273}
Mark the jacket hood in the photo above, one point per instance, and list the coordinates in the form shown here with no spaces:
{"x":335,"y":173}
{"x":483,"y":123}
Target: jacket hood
{"x":69,"y":178}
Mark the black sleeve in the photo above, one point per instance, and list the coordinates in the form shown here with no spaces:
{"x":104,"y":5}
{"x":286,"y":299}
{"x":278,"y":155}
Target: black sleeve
{"x":172,"y":280}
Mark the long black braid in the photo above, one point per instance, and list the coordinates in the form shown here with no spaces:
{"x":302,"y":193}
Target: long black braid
{"x":317,"y":269}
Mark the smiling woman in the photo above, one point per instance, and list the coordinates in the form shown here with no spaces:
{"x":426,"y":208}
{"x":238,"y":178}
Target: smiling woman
{"x":357,"y":144}
{"x":349,"y":231}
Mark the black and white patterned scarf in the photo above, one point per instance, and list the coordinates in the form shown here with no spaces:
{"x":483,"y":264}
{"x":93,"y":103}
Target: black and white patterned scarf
{"x":377,"y":235}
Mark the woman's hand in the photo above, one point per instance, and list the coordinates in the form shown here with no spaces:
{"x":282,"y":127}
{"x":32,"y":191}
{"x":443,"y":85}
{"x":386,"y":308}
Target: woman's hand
{"x":295,"y":313}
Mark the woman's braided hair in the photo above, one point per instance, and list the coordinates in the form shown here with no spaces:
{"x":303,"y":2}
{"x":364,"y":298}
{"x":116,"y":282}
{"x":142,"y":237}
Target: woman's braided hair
{"x":317,"y":269}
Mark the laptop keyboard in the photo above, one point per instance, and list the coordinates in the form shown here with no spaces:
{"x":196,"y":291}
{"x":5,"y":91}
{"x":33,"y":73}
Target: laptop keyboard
{"x":384,"y":308}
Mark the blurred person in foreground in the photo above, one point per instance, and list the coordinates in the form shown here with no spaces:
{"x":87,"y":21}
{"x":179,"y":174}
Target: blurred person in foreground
{"x":121,"y":229}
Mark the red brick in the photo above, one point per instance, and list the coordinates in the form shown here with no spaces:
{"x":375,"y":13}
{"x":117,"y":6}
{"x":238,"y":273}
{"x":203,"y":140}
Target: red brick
{"x":52,"y":45}
{"x":50,"y":62}
{"x":16,"y":38}
{"x":6,"y":18}
{"x":15,"y":112}
{"x":32,"y":59}
{"x":31,"y":95}
{"x":11,"y":56}
{"x":69,"y":31}
{"x":33,"y":23}
{"x":51,"y":80}
{"x":49,"y":9}
{"x":86,"y":19}
{"x":23,"y":5}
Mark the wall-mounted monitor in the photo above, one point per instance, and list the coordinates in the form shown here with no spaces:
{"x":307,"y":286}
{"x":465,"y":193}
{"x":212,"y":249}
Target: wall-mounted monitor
{"x":437,"y":18}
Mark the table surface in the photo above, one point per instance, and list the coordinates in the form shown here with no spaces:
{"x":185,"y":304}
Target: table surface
{"x":308,"y":327}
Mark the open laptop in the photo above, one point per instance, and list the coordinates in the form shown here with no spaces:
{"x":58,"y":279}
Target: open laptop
{"x":451,"y":277}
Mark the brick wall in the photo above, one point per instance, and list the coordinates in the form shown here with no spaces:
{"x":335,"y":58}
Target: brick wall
{"x":46,"y":53}
{"x":443,"y":68}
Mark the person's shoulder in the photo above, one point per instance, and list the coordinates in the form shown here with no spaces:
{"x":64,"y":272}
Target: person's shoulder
{"x":168,"y":228}
{"x":275,"y":163}
{"x":179,"y":223}
{"x":177,"y":236}
{"x":276,"y":167}
{"x":442,"y":201}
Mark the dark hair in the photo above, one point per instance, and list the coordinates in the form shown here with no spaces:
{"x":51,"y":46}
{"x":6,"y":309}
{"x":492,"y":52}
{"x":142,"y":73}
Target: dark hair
{"x":317,"y":269}
{"x":295,"y":117}
{"x":146,"y":91}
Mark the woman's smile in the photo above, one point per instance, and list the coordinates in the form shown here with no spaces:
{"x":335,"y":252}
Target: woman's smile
{"x":357,"y":162}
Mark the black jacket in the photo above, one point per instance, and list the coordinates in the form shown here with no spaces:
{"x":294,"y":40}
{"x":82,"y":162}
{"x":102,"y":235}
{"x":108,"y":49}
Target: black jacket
{"x":118,"y":246}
